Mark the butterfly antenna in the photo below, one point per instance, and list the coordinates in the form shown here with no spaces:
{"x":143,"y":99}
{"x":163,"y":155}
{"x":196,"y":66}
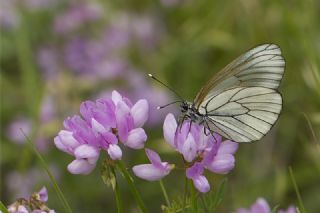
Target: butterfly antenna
{"x":161,"y":107}
{"x":154,"y":78}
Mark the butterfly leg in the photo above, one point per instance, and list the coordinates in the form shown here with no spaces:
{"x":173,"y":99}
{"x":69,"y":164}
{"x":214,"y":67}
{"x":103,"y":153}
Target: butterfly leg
{"x":190,"y":123}
{"x":180,"y":121}
{"x":210,"y":131}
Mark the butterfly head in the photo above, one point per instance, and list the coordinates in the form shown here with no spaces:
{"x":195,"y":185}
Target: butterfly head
{"x":184,"y":106}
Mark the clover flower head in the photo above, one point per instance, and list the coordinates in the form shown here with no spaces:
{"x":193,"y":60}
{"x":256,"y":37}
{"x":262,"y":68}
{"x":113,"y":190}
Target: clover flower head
{"x":101,"y":126}
{"x":200,"y":150}
{"x":35,"y":204}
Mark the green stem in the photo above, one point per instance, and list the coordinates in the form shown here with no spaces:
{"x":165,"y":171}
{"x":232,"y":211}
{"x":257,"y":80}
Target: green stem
{"x":165,"y":194}
{"x":3,"y":208}
{"x":118,"y":198}
{"x":194,"y":199}
{"x":185,"y":194}
{"x":132,"y":187}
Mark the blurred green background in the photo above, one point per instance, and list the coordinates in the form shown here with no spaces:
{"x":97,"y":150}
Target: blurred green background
{"x":57,"y":53}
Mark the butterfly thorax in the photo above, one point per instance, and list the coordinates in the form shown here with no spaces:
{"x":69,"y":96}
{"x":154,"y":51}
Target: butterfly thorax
{"x":189,"y":111}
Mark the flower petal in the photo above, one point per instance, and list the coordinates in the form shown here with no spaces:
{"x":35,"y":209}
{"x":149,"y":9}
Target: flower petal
{"x":189,"y":148}
{"x":43,"y":194}
{"x":87,"y":152}
{"x":195,"y":171}
{"x":154,"y":158}
{"x":122,"y":113}
{"x":13,"y":208}
{"x":149,"y":172}
{"x":114,"y":152}
{"x":201,"y":183}
{"x":86,"y":110}
{"x":140,"y":112}
{"x":116,"y":97}
{"x":291,"y":209}
{"x":227,"y":147}
{"x":61,"y":146}
{"x":108,"y":138}
{"x":136,"y":138}
{"x":66,"y":137}
{"x":169,"y":129}
{"x":222,"y":164}
{"x":97,"y":127}
{"x":80,"y":166}
{"x":260,"y":206}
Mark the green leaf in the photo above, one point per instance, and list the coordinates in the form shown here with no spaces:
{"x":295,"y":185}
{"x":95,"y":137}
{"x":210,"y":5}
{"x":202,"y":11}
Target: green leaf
{"x":214,"y":198}
{"x":177,"y":205}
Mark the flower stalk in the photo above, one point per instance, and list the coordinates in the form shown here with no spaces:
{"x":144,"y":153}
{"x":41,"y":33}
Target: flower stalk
{"x":194,"y":199}
{"x":165,"y":194}
{"x":185,"y":194}
{"x":118,"y":198}
{"x":132,"y":187}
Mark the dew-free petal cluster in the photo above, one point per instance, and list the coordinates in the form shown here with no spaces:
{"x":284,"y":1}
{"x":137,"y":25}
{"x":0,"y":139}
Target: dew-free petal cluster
{"x":35,"y":204}
{"x":200,"y":150}
{"x":103,"y":124}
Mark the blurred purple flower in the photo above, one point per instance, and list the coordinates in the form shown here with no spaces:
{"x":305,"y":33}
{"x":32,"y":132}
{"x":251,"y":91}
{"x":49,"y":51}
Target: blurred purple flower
{"x":43,"y":194}
{"x":75,"y":16}
{"x":25,"y":124}
{"x":9,"y":18}
{"x":146,"y":30}
{"x":47,"y":59}
{"x":20,"y":184}
{"x":17,"y":208}
{"x":9,"y":10}
{"x":290,"y":209}
{"x":14,"y":130}
{"x":200,"y":150}
{"x":126,"y":28}
{"x":93,"y":58}
{"x":48,"y":110}
{"x":117,"y":35}
{"x":261,"y":206}
{"x":154,"y":171}
{"x":102,"y":124}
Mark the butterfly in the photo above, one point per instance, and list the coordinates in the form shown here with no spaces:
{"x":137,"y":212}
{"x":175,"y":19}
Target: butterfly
{"x":241,"y":102}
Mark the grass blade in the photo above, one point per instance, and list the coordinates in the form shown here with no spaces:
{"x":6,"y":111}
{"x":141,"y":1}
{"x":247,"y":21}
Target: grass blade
{"x":165,"y":194}
{"x":45,"y":167}
{"x":301,"y":205}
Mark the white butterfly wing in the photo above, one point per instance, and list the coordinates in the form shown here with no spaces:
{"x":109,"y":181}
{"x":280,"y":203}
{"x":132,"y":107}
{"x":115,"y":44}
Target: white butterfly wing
{"x":242,"y":114}
{"x":261,"y":66}
{"x":241,"y":102}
